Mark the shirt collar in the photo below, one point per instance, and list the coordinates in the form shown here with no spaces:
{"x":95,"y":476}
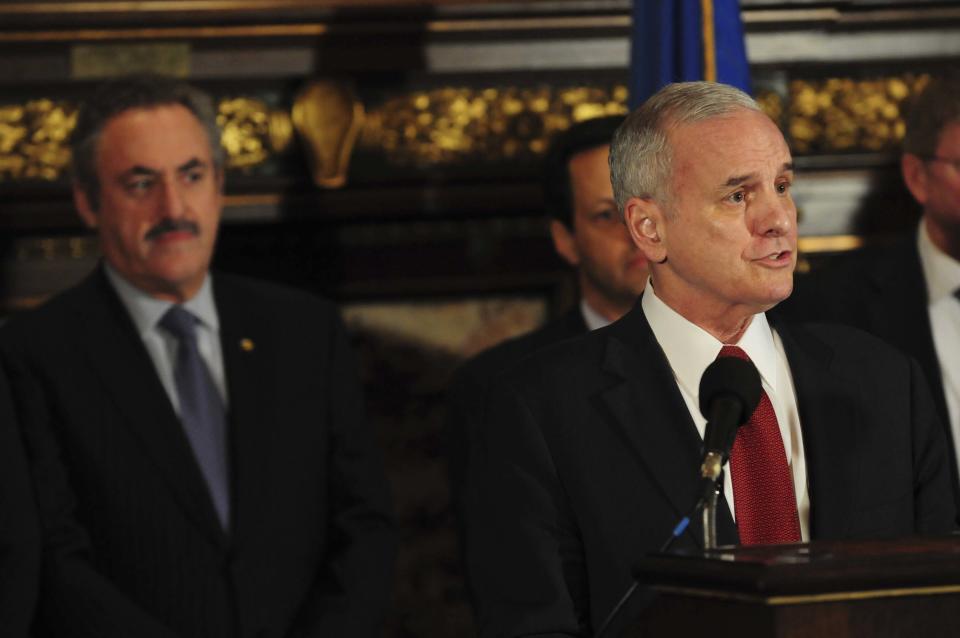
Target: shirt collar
{"x":591,"y":317}
{"x":690,"y":349}
{"x":941,"y":271}
{"x":146,"y":311}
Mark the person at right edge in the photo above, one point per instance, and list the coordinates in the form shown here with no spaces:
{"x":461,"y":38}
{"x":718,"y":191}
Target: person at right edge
{"x":590,"y":451}
{"x":907,"y":293}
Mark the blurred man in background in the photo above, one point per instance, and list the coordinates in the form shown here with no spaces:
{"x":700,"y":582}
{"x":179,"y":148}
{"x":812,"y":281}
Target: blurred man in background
{"x":907,"y":293}
{"x":197,"y":441}
{"x":589,"y":234}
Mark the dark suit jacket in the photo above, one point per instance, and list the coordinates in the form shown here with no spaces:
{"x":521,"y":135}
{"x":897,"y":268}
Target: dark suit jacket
{"x":882,"y":291}
{"x":133,"y":546}
{"x":467,"y":393}
{"x":589,"y":457}
{"x":19,"y":528}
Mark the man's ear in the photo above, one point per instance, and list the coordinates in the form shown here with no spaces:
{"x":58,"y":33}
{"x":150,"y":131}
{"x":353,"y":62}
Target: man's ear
{"x":645,"y":221}
{"x":914,"y":173}
{"x":564,"y":242}
{"x":81,"y":200}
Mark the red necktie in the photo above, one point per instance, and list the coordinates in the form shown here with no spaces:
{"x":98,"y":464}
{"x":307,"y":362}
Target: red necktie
{"x":763,"y":496}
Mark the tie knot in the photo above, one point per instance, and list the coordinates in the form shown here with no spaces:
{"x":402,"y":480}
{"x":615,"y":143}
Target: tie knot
{"x":733,"y":351}
{"x":180,"y":323}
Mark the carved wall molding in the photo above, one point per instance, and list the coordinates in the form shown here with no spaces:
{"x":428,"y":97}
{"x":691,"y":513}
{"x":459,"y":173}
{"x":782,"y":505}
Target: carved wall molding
{"x":449,"y":125}
{"x":328,"y":117}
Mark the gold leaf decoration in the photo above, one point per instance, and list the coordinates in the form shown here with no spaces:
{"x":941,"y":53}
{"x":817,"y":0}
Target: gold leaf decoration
{"x":33,"y":139}
{"x":455,"y":124}
{"x":251,"y":131}
{"x":840,"y":115}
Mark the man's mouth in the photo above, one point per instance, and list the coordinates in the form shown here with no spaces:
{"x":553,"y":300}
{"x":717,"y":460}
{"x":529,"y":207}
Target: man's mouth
{"x":776,"y":258}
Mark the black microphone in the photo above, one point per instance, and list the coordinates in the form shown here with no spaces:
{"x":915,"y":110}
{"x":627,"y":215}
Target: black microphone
{"x":729,"y":393}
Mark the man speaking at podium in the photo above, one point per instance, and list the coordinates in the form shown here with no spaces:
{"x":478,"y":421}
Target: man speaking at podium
{"x":591,"y":451}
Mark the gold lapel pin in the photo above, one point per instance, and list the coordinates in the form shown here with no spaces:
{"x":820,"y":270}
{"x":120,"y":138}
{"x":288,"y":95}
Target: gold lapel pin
{"x":246,"y":345}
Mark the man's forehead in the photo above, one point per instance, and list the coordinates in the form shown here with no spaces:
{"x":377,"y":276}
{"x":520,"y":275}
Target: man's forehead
{"x":164,"y":137}
{"x":747,"y":140}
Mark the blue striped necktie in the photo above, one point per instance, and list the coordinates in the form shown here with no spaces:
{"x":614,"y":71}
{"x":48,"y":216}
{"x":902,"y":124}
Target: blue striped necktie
{"x":202,"y":413}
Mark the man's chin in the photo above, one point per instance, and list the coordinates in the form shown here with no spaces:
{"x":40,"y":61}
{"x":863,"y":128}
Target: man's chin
{"x":779,"y":297}
{"x":175,"y":281}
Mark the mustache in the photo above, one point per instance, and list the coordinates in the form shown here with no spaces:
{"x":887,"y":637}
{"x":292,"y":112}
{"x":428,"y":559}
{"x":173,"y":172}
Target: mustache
{"x":172,"y":226}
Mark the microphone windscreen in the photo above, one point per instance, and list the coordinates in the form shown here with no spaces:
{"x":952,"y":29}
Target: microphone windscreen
{"x":733,"y":377}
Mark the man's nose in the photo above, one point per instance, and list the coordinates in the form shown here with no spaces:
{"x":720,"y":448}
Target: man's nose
{"x":172,"y":203}
{"x":777,"y":215}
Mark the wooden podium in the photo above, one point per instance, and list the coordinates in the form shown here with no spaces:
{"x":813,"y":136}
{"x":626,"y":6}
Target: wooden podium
{"x":874,"y":589}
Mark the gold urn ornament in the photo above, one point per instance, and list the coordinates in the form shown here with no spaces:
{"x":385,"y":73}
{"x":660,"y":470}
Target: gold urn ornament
{"x":328,"y":117}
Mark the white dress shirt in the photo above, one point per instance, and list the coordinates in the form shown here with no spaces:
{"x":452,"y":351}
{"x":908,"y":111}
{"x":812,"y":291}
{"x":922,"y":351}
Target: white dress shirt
{"x":591,"y":317}
{"x":690,"y":349}
{"x":942,"y":274}
{"x":146,"y":312}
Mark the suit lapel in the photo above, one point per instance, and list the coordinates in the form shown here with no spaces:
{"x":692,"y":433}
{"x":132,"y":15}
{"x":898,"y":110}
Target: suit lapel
{"x":901,"y":294}
{"x":899,"y":291}
{"x":831,"y":425}
{"x":250,"y":371}
{"x":652,"y":416}
{"x":115,"y":352}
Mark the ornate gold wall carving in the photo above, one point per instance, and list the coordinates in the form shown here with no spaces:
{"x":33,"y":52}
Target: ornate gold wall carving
{"x":440,"y":126}
{"x":451,"y":125}
{"x":34,"y":136}
{"x":448,"y":125}
{"x":33,"y":139}
{"x":840,"y":115}
{"x":251,"y":131}
{"x":328,"y":117}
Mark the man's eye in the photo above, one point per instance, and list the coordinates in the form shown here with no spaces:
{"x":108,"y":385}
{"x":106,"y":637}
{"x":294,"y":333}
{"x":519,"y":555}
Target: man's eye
{"x":193,"y":176}
{"x":738,"y":197}
{"x":139,"y":185}
{"x":605,"y":215}
{"x":783,"y":187}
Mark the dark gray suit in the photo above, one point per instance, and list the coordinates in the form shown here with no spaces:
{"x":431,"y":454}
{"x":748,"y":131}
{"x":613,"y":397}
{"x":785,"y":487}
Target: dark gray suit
{"x":133,"y":546}
{"x":882,"y":291}
{"x":588,"y":457}
{"x":467,"y":394}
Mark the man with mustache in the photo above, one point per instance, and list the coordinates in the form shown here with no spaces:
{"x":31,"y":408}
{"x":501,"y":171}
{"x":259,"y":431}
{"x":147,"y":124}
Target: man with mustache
{"x":197,"y":443}
{"x":590,"y":451}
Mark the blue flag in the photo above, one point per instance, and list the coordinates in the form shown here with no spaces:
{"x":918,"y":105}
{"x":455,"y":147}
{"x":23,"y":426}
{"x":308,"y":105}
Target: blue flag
{"x":683,"y":40}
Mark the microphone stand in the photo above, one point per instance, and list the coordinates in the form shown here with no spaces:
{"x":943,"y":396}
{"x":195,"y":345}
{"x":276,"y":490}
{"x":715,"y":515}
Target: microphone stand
{"x":712,"y":473}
